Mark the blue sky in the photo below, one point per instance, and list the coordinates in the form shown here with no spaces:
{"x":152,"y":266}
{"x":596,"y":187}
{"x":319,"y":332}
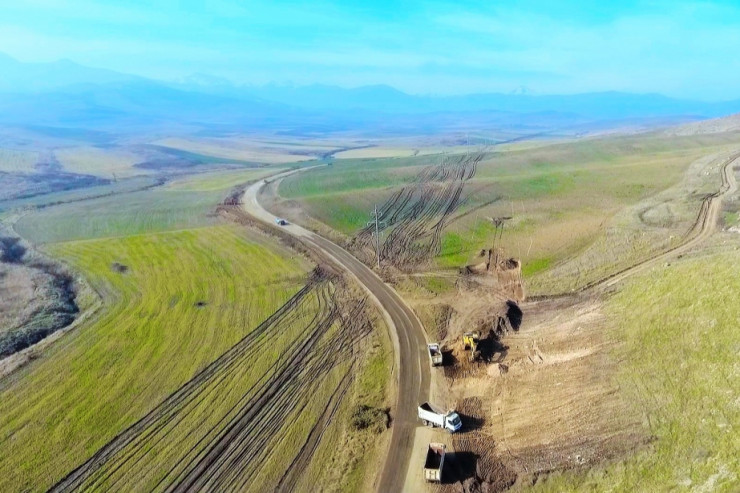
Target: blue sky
{"x":686,"y":49}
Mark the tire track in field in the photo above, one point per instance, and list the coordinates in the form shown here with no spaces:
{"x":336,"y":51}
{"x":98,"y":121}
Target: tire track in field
{"x":302,"y":460}
{"x":238,"y":455}
{"x":222,"y":454}
{"x":416,"y":215}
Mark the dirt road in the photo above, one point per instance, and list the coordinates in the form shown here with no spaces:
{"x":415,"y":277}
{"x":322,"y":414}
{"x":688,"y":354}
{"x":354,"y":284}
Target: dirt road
{"x":704,"y":226}
{"x":411,"y":368}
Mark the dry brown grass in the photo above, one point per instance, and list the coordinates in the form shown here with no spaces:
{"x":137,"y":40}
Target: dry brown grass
{"x":635,"y":232}
{"x":17,"y":294}
{"x":96,"y":161}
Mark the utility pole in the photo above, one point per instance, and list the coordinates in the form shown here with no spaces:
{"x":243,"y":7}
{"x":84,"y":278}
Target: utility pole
{"x":377,"y":235}
{"x":377,"y":221}
{"x":498,"y":223}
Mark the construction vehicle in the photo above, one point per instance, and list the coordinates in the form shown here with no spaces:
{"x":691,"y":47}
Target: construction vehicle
{"x":435,"y":354}
{"x":433,"y":416}
{"x":435,"y":462}
{"x":470,"y":342}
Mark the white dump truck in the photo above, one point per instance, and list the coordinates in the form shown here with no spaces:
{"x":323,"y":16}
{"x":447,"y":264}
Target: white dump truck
{"x":435,"y":354}
{"x":433,"y":416}
{"x":435,"y":462}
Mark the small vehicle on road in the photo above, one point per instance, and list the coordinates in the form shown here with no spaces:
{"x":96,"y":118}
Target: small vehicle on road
{"x":280,"y":221}
{"x":433,"y":416}
{"x":435,"y":462}
{"x":435,"y":354}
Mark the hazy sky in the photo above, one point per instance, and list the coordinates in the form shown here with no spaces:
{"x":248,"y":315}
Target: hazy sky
{"x":687,"y":49}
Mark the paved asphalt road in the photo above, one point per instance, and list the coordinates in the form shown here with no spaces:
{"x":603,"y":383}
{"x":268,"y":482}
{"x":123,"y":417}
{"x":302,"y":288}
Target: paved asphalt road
{"x":412,"y":368}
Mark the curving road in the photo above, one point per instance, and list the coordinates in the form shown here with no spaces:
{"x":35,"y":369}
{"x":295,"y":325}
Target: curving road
{"x":411,"y":368}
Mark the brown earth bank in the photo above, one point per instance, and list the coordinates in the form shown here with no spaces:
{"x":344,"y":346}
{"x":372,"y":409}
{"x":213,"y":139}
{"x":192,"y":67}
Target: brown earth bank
{"x":37,"y":296}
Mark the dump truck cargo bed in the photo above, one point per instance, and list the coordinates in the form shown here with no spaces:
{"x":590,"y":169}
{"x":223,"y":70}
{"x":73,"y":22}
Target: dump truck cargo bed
{"x":435,"y":354}
{"x":434,"y":462}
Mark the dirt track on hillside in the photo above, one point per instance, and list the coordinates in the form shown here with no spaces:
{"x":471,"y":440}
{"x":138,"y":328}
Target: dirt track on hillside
{"x":701,"y":229}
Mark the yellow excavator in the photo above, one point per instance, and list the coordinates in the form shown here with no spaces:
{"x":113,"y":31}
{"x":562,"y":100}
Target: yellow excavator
{"x":470,"y":342}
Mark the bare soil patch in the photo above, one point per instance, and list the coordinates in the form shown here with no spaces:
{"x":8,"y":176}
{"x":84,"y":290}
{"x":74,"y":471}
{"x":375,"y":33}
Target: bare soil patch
{"x":119,"y":267}
{"x":542,"y":393}
{"x":558,"y":405}
{"x":476,"y":465}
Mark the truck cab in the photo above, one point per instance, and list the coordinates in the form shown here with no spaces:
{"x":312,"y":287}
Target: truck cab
{"x":453,"y":422}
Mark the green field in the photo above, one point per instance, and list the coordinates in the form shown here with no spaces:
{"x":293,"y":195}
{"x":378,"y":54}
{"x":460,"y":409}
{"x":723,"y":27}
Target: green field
{"x":561,"y":197}
{"x":679,"y":366}
{"x":249,"y":150}
{"x":352,"y":175}
{"x":120,"y":215}
{"x":183,"y":203}
{"x":55,"y":198}
{"x":174,"y":281}
{"x":222,"y":180}
{"x":150,"y":340}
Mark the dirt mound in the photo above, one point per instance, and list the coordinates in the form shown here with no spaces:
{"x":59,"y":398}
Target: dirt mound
{"x":507,"y":272}
{"x":458,"y":364}
{"x":473,"y":269}
{"x":370,"y":418}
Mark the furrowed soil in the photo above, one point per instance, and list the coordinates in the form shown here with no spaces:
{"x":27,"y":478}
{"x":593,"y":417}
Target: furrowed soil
{"x":413,"y":218}
{"x":236,"y":425}
{"x":87,"y":388}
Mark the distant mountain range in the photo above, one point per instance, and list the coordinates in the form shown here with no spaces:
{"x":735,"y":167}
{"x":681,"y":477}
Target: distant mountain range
{"x":66,"y":94}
